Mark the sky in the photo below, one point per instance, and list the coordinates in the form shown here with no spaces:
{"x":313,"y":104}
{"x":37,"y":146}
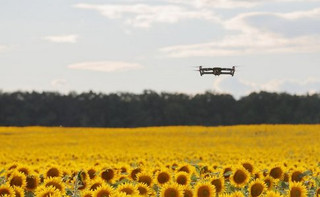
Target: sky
{"x":135,"y":45}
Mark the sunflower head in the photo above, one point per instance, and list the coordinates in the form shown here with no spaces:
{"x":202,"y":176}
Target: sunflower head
{"x":95,"y":183}
{"x":171,"y":190}
{"x":55,"y":182}
{"x":248,"y":165}
{"x":103,"y":191}
{"x":6,"y":190}
{"x":272,"y":194}
{"x":256,"y":188}
{"x":182,"y":178}
{"x":50,"y":191}
{"x":108,"y":175}
{"x":17,"y":179}
{"x":163,"y":176}
{"x":269,"y":181}
{"x":297,"y":189}
{"x":187,"y":191}
{"x":240,"y":177}
{"x":128,"y":189}
{"x":237,"y":194}
{"x":144,"y":177}
{"x":53,"y":171}
{"x":143,"y":189}
{"x":277,"y":172}
{"x":86,"y":193}
{"x":297,"y":175}
{"x":204,"y":189}
{"x":218,"y":183}
{"x":92,"y":172}
{"x":134,"y":172}
{"x":32,"y":182}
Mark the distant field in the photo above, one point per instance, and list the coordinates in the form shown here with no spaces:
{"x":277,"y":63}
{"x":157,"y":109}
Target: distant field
{"x":264,"y":160}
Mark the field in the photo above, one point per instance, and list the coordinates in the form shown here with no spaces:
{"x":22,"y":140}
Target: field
{"x":264,"y":160}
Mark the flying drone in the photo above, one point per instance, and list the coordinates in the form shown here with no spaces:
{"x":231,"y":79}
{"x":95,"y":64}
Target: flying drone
{"x":217,"y":71}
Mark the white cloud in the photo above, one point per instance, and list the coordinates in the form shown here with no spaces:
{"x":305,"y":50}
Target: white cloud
{"x":144,"y":15}
{"x":230,"y":4}
{"x":62,"y":38}
{"x":250,"y":39}
{"x":239,"y":87}
{"x":3,"y":48}
{"x":58,"y":82}
{"x":106,"y":66}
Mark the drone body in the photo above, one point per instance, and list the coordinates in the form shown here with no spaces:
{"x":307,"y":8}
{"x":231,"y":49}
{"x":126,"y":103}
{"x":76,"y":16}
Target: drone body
{"x":217,"y":71}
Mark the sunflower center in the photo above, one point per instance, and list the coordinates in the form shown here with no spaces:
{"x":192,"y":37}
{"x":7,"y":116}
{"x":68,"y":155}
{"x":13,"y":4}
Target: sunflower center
{"x":31,"y":183}
{"x":163,"y":177}
{"x":296,"y":176}
{"x":107,"y":174}
{"x":92,"y":173}
{"x":256,"y":190}
{"x":248,"y":167}
{"x":203,"y":191}
{"x":145,"y":179}
{"x":295,"y":192}
{"x":182,"y":180}
{"x":239,"y":176}
{"x":4,"y":191}
{"x":187,"y":193}
{"x":142,"y":190}
{"x":53,"y":172}
{"x":134,"y":173}
{"x":217,"y":183}
{"x":184,"y":169}
{"x":126,"y":190}
{"x":16,"y":181}
{"x":170,"y":192}
{"x":95,"y":186}
{"x":276,"y":172}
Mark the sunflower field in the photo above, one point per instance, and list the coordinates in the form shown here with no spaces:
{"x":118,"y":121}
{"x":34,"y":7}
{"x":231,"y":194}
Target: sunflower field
{"x":229,"y":161}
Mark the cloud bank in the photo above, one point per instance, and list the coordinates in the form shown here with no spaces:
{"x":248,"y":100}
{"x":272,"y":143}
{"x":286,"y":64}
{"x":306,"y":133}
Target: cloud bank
{"x":106,"y":66}
{"x":72,"y":38}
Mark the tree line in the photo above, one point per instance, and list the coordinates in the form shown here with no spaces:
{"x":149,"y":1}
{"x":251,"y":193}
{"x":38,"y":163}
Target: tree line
{"x":150,"y":108}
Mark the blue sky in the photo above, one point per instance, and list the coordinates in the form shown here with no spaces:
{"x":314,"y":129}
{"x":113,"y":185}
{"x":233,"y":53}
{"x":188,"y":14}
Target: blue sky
{"x":133,"y":45}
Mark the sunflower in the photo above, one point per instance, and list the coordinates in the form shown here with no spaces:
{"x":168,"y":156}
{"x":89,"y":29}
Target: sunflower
{"x":297,"y":189}
{"x":171,"y":190}
{"x":53,"y":172}
{"x":237,"y":194}
{"x":94,"y":184}
{"x":144,"y":178}
{"x":185,"y":168}
{"x":32,"y":182}
{"x":143,"y":189}
{"x":277,"y":172}
{"x":296,"y":175}
{"x":218,"y":183}
{"x":163,"y":177}
{"x":187,"y":191}
{"x":48,"y":192}
{"x":226,"y":172}
{"x":248,"y":166}
{"x":103,"y":191}
{"x":24,"y":169}
{"x":19,"y":192}
{"x":240,"y":177}
{"x":256,"y":188}
{"x":86,"y":193}
{"x":92,"y":172}
{"x":107,"y":175}
{"x":182,"y":178}
{"x":134,"y":172}
{"x":55,"y":182}
{"x":128,"y":189}
{"x":17,"y":179}
{"x":318,"y":192}
{"x":204,"y":189}
{"x":272,"y":194}
{"x":6,"y":190}
{"x":268,"y":180}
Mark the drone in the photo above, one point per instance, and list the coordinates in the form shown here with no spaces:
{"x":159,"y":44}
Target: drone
{"x":217,"y":71}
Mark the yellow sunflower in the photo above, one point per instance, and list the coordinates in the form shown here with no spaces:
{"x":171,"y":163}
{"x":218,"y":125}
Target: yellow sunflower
{"x":143,"y":189}
{"x":277,"y":172}
{"x":204,"y":189}
{"x":53,"y":171}
{"x":32,"y":182}
{"x":163,"y":176}
{"x":248,"y":165}
{"x":86,"y":193}
{"x":128,"y":189}
{"x":19,"y":192}
{"x":218,"y":183}
{"x":108,"y":175}
{"x":47,"y":192}
{"x":237,"y":194}
{"x":187,"y":191}
{"x":144,"y":177}
{"x":171,"y":190}
{"x":269,"y":181}
{"x":134,"y":172}
{"x":6,"y":190}
{"x":95,"y":183}
{"x":92,"y":172}
{"x":296,"y":175}
{"x":182,"y":178}
{"x":17,"y":179}
{"x":55,"y":182}
{"x":272,"y":194}
{"x":297,"y":189}
{"x":239,"y":177}
{"x":256,"y":188}
{"x":103,"y":191}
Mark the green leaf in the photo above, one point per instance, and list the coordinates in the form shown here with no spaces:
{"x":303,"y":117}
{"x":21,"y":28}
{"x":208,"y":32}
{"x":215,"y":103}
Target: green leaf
{"x":229,"y":173}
